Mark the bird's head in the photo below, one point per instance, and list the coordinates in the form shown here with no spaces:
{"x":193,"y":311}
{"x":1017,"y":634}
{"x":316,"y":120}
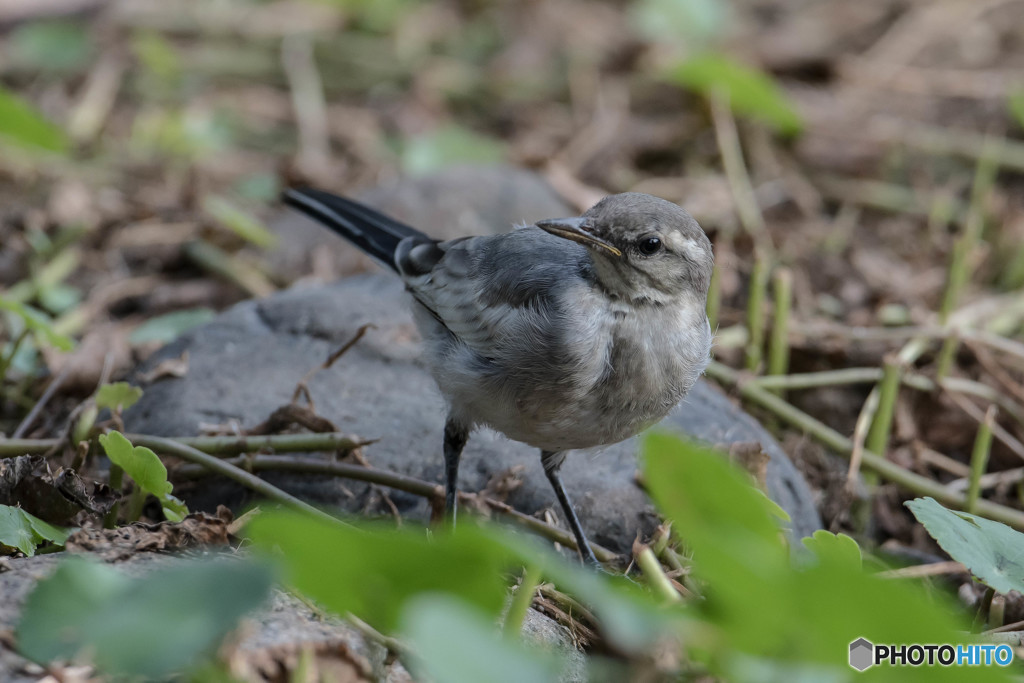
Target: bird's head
{"x":644,"y":249}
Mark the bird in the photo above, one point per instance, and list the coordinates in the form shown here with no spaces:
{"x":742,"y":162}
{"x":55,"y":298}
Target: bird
{"x":568,"y":334}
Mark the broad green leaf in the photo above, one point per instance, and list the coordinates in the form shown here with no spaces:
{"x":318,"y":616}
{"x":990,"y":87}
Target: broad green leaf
{"x":168,"y":327}
{"x":117,"y":396}
{"x":19,"y":529}
{"x":52,"y":45}
{"x":38,"y":323}
{"x":22,"y":125}
{"x":676,"y":21}
{"x":806,"y":616}
{"x":831,"y":548}
{"x":751,"y":92}
{"x":149,"y":627}
{"x":146,"y":469}
{"x":457,"y":644}
{"x":446,"y":146}
{"x":59,"y":298}
{"x":373,"y":573}
{"x":991,"y":550}
{"x":241,"y":223}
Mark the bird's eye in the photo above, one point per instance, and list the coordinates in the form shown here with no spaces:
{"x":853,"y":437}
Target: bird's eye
{"x":649,"y":245}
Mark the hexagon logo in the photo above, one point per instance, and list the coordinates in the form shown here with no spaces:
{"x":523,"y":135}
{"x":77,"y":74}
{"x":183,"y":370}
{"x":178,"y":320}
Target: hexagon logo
{"x":862,"y":654}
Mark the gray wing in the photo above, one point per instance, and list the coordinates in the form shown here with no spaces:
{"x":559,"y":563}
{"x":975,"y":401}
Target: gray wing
{"x":498,"y":295}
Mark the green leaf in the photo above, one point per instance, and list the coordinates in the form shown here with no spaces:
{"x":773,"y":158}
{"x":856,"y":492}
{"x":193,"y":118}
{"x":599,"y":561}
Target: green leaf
{"x":446,"y":146}
{"x":52,"y":45}
{"x":675,"y":21}
{"x":19,"y":529}
{"x":22,"y":125}
{"x":149,"y":626}
{"x":992,"y":551}
{"x":168,"y":327}
{"x":117,"y":396}
{"x":38,"y":323}
{"x":146,"y":469}
{"x":751,"y":92}
{"x":59,"y":298}
{"x":241,"y":223}
{"x":806,"y":616}
{"x":374,"y":573}
{"x":831,"y":548}
{"x":457,"y":644}
{"x":1015,"y":103}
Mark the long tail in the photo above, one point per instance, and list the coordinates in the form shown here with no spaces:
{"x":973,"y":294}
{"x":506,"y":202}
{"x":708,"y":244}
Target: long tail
{"x":373,"y":232}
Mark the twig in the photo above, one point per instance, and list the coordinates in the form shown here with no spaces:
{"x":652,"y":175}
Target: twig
{"x":224,"y":468}
{"x":915,"y":483}
{"x":41,"y":403}
{"x":215,"y":260}
{"x":401,"y":482}
{"x":921,"y":570}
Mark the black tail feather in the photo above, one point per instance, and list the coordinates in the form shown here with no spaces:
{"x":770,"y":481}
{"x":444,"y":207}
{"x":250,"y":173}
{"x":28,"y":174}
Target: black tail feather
{"x":373,"y":232}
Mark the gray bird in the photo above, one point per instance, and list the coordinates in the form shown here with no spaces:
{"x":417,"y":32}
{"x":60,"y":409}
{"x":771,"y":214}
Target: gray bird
{"x":568,"y":334}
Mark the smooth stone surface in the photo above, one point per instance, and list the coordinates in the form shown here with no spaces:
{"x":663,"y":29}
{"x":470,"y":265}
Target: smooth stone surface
{"x":246,"y":363}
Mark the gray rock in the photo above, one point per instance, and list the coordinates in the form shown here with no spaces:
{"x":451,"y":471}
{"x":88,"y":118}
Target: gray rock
{"x":247,"y":362}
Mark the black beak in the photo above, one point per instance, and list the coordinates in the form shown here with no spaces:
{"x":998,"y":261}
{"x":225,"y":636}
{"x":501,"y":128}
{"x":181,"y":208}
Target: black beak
{"x":578,"y":230}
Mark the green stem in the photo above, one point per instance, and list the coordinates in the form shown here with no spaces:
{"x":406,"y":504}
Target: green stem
{"x":824,"y":434}
{"x":778,"y":345}
{"x":755,"y":311}
{"x":521,"y":601}
{"x":979,"y":458}
{"x":655,"y":575}
{"x":878,"y":436}
{"x":116,"y":478}
{"x":714,"y":305}
{"x":223,"y":468}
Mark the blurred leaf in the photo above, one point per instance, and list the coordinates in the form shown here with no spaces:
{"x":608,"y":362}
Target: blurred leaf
{"x":146,"y":469}
{"x":676,"y":21}
{"x":22,"y":125}
{"x":117,"y":396}
{"x":19,"y":529}
{"x":829,"y":548}
{"x":806,"y":617}
{"x":52,"y":45}
{"x":59,"y":298}
{"x":168,"y":327}
{"x":751,"y":92}
{"x":374,"y":573}
{"x":149,"y":626}
{"x":456,"y":644}
{"x":38,"y":323}
{"x":260,"y":187}
{"x":158,"y":57}
{"x":1015,"y":102}
{"x":241,"y":223}
{"x":446,"y":146}
{"x":630,"y":617}
{"x":991,"y":550}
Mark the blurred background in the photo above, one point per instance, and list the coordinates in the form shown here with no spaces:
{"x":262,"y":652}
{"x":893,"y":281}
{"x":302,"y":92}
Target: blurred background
{"x":857,"y":165}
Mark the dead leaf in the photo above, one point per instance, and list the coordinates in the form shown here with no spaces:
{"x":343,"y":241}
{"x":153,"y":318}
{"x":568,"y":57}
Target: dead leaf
{"x":197,"y":530}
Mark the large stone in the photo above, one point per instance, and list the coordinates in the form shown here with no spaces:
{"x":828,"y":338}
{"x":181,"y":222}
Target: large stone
{"x":246,"y":363}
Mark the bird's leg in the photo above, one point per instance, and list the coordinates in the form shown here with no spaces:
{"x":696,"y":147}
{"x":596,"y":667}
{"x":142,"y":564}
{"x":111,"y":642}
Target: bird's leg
{"x":552,"y":461}
{"x":455,"y":437}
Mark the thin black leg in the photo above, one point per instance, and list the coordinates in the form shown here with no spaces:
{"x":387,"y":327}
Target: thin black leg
{"x":455,"y":437}
{"x":552,"y":461}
